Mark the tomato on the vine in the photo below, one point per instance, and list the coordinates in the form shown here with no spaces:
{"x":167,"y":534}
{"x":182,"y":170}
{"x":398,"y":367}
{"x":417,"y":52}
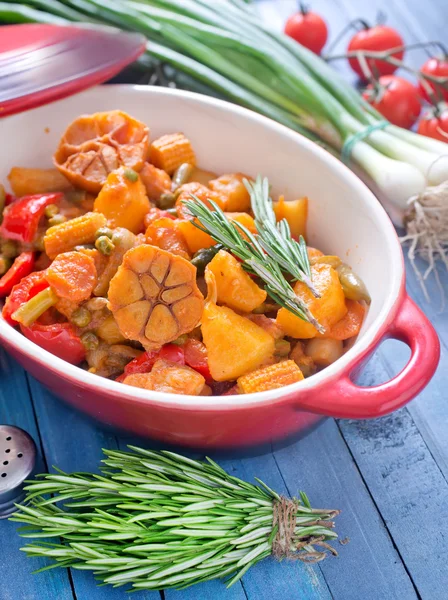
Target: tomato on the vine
{"x":375,"y":39}
{"x":396,"y":99}
{"x":434,"y":124}
{"x":437,"y":67}
{"x":307,"y":28}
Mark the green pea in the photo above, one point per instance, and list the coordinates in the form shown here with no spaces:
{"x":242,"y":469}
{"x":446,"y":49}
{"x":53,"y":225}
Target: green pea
{"x":75,"y":196}
{"x":9,"y":249}
{"x":181,"y":340}
{"x":5,"y":264}
{"x":104,"y":231}
{"x":51,"y":210}
{"x":56,"y":220}
{"x":81,"y":317}
{"x":166,"y":200}
{"x":282,"y":347}
{"x":131,"y":175}
{"x":105,"y":245}
{"x":90,"y":341}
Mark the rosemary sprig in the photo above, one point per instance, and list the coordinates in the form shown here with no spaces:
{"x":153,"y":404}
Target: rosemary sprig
{"x":275,"y":238}
{"x":247,"y":247}
{"x":158,"y":520}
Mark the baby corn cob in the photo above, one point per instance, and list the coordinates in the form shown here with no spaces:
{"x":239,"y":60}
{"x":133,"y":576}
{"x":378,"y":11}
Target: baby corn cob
{"x":170,"y":151}
{"x":65,"y":236}
{"x":270,"y":377}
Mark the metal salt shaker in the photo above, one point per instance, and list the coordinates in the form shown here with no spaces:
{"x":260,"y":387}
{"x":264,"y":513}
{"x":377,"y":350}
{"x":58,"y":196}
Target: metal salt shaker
{"x":17,"y":462}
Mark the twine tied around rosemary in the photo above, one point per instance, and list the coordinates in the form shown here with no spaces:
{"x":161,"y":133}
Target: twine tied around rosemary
{"x":287,"y":545}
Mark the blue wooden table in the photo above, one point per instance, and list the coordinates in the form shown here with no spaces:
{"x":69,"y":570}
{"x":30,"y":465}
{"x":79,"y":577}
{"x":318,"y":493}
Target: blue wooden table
{"x":389,"y":476}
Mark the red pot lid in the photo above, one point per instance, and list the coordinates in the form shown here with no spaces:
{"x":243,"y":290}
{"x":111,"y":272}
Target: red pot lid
{"x":43,"y":63}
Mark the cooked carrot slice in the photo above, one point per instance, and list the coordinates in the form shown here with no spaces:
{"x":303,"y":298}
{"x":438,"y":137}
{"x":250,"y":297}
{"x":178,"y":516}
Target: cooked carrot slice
{"x":348,"y":326}
{"x":154,"y":296}
{"x":72,"y":275}
{"x":95,"y":145}
{"x":165,"y":234}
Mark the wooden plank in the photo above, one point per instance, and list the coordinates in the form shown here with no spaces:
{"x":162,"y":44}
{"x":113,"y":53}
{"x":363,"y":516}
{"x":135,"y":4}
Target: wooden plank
{"x":73,"y":443}
{"x":273,"y":579}
{"x":17,"y":581}
{"x":322,"y":466}
{"x":409,"y":490}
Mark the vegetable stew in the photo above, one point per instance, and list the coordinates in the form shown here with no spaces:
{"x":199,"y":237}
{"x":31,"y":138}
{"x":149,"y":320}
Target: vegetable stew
{"x":130,"y":261}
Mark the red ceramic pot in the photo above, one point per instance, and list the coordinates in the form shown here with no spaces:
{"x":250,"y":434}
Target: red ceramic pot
{"x":345,"y":219}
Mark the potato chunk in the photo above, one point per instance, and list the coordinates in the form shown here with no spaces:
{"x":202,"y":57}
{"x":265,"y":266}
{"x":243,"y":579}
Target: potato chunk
{"x":328,"y":309}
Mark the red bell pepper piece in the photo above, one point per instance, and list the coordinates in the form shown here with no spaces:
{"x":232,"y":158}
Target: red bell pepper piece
{"x":173,"y":353}
{"x":196,"y":357}
{"x":59,"y":338}
{"x":21,"y":267}
{"x":9,"y":199}
{"x":21,"y":218}
{"x":26,"y":289}
{"x":145,"y":362}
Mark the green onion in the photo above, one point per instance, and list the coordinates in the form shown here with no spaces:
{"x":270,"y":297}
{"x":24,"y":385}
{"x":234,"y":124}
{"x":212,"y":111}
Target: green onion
{"x":158,"y":520}
{"x":226,"y":47}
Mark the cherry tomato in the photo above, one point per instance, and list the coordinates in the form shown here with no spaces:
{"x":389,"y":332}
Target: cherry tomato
{"x":375,"y":39}
{"x":397,"y":100}
{"x":307,"y":28}
{"x":434,"y":124}
{"x":58,"y":338}
{"x":437,"y":67}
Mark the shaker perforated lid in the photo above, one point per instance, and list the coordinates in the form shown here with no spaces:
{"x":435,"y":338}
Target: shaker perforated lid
{"x":17,"y":462}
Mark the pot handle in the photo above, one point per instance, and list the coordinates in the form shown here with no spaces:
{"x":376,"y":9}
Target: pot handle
{"x":342,"y":398}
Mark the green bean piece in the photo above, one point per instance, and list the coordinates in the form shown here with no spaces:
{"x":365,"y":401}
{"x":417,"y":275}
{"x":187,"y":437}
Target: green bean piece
{"x":202,"y":257}
{"x":131,"y":175}
{"x":181,"y":175}
{"x":5,"y":264}
{"x":81,"y":317}
{"x":166,"y":200}
{"x":34,"y":308}
{"x":104,"y":231}
{"x":353,"y":286}
{"x":51,"y":210}
{"x":56,"y":220}
{"x":9,"y":249}
{"x":105,"y":245}
{"x":90,"y":341}
{"x":76,"y":196}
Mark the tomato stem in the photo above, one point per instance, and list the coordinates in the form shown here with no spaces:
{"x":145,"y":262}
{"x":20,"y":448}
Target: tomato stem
{"x":351,"y":25}
{"x":304,"y":9}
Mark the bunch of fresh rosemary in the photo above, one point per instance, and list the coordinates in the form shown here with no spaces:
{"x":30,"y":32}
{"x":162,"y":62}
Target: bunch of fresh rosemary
{"x":272,"y":254}
{"x":158,"y":520}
